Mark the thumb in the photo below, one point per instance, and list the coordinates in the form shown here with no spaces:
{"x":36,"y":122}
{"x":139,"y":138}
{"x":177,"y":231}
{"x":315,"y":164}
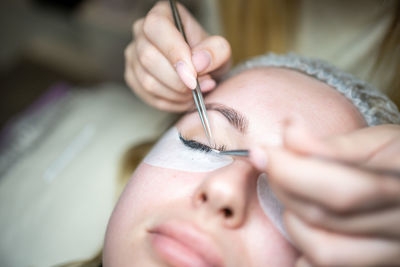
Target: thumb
{"x":211,"y":54}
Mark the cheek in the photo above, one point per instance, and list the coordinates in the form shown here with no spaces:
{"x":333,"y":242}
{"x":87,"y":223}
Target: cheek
{"x":150,"y":189}
{"x":269,"y":247}
{"x":150,"y":192}
{"x":153,"y":187}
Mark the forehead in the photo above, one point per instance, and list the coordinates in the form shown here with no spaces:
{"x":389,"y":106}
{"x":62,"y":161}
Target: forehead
{"x":269,"y":96}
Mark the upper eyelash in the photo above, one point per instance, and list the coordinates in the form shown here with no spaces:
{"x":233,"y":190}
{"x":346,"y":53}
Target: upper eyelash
{"x":199,"y":146}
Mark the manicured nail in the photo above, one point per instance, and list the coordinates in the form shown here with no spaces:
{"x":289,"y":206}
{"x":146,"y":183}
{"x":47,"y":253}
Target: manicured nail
{"x":207,"y":85}
{"x":185,"y":74}
{"x":201,"y":60}
{"x":259,"y":158}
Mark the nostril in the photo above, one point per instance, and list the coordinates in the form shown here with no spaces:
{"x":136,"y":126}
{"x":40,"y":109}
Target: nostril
{"x":203,"y":197}
{"x":228,"y":213}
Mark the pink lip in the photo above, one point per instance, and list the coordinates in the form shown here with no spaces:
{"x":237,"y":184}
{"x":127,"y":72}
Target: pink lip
{"x":182,"y":244}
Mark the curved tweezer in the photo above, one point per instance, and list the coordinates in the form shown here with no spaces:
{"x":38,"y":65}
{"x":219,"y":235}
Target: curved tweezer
{"x":197,"y":95}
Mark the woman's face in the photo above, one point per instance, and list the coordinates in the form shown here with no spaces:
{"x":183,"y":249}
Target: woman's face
{"x":183,"y":217}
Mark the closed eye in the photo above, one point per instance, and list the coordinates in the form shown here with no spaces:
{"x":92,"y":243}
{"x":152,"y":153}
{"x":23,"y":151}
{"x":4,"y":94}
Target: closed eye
{"x":199,"y":146}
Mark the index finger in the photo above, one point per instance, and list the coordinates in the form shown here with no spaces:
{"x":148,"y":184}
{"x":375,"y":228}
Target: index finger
{"x":161,"y":31}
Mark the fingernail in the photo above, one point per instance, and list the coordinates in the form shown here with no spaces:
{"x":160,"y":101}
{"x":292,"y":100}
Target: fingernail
{"x":185,"y":74}
{"x":259,"y":158}
{"x":201,"y":60}
{"x":207,"y":85}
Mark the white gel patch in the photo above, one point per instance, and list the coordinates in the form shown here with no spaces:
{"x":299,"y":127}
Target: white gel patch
{"x":270,"y":204}
{"x":171,"y":153}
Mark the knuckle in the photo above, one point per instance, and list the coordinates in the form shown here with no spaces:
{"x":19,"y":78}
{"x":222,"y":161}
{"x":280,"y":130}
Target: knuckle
{"x":146,"y":57}
{"x":390,"y":187}
{"x":346,"y":199}
{"x":149,"y":84}
{"x":128,"y":51}
{"x":162,"y":105}
{"x":161,"y":7}
{"x":181,"y":89}
{"x":126,"y":76}
{"x":222,"y":44}
{"x":137,"y":26}
{"x":172,"y":52}
{"x":362,"y":187}
{"x":315,"y":215}
{"x":322,"y":256}
{"x":151,"y":22}
{"x":204,"y":77}
{"x":130,"y":81}
{"x":344,"y":202}
{"x":386,"y":187}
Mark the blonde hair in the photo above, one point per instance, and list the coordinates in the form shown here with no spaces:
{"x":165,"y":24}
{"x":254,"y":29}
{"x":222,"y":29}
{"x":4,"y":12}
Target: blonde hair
{"x":389,"y":53}
{"x":254,"y":27}
{"x":130,"y":161}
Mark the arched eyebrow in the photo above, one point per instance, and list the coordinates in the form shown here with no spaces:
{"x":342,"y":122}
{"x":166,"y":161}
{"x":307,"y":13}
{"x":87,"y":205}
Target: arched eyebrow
{"x":234,"y":117}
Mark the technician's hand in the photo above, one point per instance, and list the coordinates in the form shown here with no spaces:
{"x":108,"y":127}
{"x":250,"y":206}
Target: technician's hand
{"x":161,"y":67}
{"x":339,"y":212}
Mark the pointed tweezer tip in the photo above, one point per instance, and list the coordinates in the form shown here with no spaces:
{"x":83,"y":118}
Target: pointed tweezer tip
{"x":239,"y":153}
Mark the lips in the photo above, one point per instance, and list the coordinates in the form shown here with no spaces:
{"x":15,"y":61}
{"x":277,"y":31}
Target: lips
{"x":183,"y":244}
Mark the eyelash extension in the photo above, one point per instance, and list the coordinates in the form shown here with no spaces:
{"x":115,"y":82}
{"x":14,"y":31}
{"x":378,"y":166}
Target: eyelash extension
{"x":199,"y":146}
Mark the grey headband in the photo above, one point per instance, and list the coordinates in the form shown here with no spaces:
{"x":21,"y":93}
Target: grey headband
{"x":375,"y":107}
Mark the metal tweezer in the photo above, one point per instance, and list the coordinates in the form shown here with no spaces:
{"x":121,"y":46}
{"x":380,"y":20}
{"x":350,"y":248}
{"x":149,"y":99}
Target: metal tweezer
{"x":237,"y":152}
{"x":197,"y":95}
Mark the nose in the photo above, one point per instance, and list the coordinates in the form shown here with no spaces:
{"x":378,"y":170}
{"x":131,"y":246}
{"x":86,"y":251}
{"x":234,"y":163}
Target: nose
{"x":226,"y":193}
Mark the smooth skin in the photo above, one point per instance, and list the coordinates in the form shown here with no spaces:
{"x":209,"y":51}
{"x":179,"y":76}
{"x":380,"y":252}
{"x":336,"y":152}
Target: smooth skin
{"x":357,"y":224}
{"x":338,"y":211}
{"x":161,"y":67}
{"x":158,"y":196}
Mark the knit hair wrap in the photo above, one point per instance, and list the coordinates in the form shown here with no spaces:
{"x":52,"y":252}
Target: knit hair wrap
{"x":375,"y":107}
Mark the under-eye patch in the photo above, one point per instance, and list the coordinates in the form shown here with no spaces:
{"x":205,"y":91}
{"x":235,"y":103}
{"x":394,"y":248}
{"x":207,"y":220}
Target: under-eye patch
{"x":271,"y":206}
{"x":176,"y":152}
{"x":170,"y":152}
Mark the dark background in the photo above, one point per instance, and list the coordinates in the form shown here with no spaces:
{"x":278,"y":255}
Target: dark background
{"x":74,"y":42}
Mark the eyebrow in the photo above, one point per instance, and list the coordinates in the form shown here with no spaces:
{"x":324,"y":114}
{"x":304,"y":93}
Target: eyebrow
{"x":234,"y":117}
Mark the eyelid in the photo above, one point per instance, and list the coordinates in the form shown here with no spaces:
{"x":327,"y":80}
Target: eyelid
{"x":193,"y":144}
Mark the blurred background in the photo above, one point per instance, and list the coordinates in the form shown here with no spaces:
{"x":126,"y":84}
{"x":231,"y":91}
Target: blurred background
{"x":66,"y":119}
{"x":79,"y":42}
